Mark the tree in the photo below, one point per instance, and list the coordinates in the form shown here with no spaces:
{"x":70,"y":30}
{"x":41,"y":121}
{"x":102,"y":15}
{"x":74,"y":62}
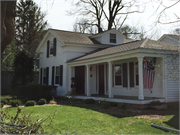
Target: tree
{"x":23,"y":68}
{"x":30,"y":26}
{"x":105,"y":10}
{"x":8,"y":56}
{"x":7,"y":23}
{"x":83,"y":26}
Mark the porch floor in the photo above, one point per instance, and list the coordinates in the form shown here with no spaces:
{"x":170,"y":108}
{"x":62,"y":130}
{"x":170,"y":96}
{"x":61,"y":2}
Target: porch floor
{"x":120,"y":99}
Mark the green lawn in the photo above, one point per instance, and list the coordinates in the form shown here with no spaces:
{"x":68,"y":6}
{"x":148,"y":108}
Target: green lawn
{"x":77,"y":120}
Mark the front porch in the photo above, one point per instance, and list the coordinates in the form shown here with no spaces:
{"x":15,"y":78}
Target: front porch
{"x":121,"y":99}
{"x":119,"y":79}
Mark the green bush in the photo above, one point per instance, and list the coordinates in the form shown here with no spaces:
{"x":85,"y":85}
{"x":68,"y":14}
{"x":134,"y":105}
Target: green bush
{"x":2,"y":104}
{"x":15,"y":103}
{"x":89,"y":101}
{"x":35,"y":92}
{"x":42,"y":101}
{"x":30,"y":103}
{"x":4,"y":101}
{"x":105,"y":105}
{"x":114,"y":104}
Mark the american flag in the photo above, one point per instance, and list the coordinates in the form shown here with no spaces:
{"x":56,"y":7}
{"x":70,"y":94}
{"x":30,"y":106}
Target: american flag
{"x":148,"y":73}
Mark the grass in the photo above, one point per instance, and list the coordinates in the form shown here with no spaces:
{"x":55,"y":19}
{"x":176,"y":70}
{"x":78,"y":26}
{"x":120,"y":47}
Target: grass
{"x":78,"y":120}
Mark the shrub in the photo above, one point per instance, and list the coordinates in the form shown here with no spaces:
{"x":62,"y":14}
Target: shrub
{"x":42,"y":101}
{"x":123,"y":106}
{"x":15,"y":103}
{"x":30,"y":103}
{"x":4,"y":101}
{"x":114,"y":104}
{"x":35,"y":92}
{"x":2,"y":104}
{"x":89,"y":101}
{"x":105,"y":105}
{"x":53,"y":101}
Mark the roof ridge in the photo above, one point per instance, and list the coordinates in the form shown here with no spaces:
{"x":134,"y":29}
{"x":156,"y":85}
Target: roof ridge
{"x":70,"y":31}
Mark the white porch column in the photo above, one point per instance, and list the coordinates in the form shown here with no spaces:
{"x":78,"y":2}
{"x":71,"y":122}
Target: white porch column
{"x":88,"y":80}
{"x":70,"y":76}
{"x":140,"y":69}
{"x":110,"y":79}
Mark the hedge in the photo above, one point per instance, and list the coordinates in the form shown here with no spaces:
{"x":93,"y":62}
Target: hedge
{"x":35,"y":92}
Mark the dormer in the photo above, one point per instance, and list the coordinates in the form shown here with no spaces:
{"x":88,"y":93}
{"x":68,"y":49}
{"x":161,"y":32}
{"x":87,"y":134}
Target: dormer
{"x":110,"y":37}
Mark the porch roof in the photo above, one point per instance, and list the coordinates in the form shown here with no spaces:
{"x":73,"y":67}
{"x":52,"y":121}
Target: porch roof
{"x":146,"y":44}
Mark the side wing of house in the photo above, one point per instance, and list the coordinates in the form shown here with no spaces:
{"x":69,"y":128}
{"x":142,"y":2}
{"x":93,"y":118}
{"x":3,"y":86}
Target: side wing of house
{"x":52,"y":62}
{"x":172,"y":78}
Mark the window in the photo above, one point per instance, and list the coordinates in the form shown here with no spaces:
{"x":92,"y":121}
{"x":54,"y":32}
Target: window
{"x":44,"y":76}
{"x":137,"y":73}
{"x":118,"y":74}
{"x":51,"y":48}
{"x":57,"y":75}
{"x":122,"y":74}
{"x":112,"y":38}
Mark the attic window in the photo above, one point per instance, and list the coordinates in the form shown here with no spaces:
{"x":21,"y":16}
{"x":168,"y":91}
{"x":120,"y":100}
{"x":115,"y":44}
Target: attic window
{"x":112,"y":38}
{"x":51,"y":48}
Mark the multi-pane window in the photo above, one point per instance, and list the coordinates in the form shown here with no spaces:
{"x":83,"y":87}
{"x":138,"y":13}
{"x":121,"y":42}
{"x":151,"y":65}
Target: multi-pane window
{"x":57,"y":75}
{"x":118,"y":74}
{"x":137,"y":73}
{"x":44,"y":76}
{"x":112,"y":38}
{"x":51,"y":48}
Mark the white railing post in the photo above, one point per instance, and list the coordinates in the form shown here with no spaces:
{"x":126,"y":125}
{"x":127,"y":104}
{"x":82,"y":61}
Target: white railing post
{"x":87,"y":80}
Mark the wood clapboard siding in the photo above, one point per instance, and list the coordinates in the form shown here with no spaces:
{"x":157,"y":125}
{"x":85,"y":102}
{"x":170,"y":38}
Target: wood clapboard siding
{"x":172,"y":86}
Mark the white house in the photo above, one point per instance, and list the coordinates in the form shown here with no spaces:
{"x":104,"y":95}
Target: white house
{"x":107,"y":65}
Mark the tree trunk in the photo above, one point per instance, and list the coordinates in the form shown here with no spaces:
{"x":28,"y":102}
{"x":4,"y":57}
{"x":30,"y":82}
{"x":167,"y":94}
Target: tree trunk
{"x":7,"y":23}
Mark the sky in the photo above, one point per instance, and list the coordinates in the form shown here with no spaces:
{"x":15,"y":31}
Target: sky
{"x":58,"y":19}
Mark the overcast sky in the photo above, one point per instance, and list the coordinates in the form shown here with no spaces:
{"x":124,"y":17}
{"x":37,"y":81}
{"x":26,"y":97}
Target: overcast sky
{"x":58,"y":18}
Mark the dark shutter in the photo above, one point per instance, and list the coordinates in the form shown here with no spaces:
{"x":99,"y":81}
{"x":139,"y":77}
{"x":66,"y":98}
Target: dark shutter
{"x":61,"y":75}
{"x":54,"y":47}
{"x":41,"y":76}
{"x":124,"y":68}
{"x":131,"y":73}
{"x":48,"y":48}
{"x":52,"y":76}
{"x":47,"y":75}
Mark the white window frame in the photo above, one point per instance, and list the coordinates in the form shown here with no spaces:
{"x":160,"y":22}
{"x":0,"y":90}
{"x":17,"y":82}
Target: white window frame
{"x":51,"y":46}
{"x":120,"y":63}
{"x":55,"y":74}
{"x":117,"y":64}
{"x":113,"y":38}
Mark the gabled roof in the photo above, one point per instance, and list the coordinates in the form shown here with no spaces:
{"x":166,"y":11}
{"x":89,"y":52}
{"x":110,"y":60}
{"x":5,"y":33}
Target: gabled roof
{"x":174,"y":36}
{"x":74,"y":37}
{"x":171,"y":36}
{"x":146,"y":44}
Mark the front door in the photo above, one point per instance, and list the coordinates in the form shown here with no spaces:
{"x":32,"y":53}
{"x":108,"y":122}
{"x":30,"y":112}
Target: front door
{"x":80,"y":79}
{"x":101,"y":79}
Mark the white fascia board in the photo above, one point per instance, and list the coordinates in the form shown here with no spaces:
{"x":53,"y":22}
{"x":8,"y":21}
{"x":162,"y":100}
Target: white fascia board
{"x":87,"y":45}
{"x":118,"y":56}
{"x":44,"y":38}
